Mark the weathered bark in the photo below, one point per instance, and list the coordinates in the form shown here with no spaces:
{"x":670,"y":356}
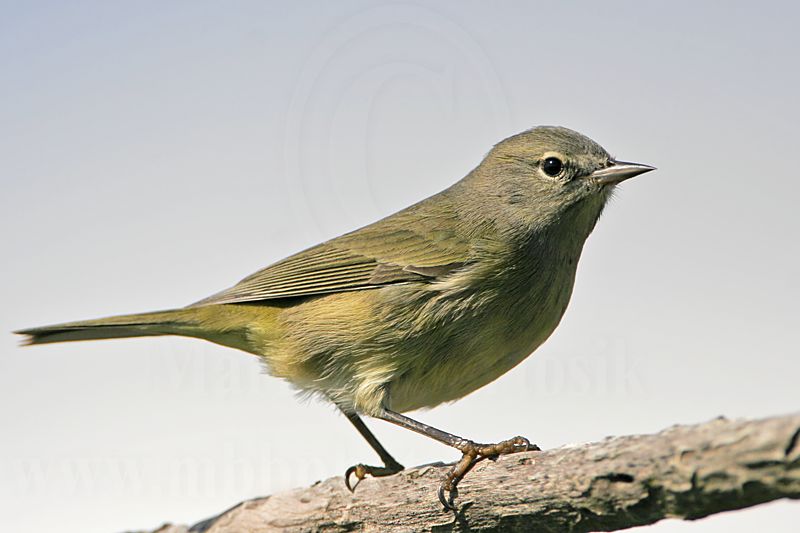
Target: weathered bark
{"x":682,"y":472}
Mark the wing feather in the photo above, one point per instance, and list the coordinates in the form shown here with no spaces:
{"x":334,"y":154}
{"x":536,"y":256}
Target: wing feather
{"x":418,"y":245}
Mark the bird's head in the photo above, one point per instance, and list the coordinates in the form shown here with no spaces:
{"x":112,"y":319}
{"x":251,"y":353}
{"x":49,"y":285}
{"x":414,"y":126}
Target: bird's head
{"x":550,"y":174}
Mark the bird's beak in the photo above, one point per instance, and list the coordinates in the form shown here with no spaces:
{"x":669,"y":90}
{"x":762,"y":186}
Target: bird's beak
{"x":619,"y":171}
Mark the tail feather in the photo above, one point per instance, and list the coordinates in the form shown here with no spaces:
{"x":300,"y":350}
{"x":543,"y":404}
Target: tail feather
{"x":172,"y":322}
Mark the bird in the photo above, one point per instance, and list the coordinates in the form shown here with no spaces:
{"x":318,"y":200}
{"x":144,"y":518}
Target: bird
{"x":419,"y":308}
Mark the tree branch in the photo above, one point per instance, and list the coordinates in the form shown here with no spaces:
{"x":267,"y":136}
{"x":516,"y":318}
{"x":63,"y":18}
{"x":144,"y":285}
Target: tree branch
{"x":682,"y":472}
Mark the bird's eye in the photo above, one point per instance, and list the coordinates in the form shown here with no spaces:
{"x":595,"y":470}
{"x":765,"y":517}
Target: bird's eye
{"x":552,"y":166}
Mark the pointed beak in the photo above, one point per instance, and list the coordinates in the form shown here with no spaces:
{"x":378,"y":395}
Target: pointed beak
{"x":619,"y":171}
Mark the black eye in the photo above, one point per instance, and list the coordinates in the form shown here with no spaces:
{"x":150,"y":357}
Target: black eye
{"x":552,"y":166}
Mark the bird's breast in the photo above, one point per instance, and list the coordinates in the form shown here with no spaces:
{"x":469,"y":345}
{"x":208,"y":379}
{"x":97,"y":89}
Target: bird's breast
{"x":477,"y":329}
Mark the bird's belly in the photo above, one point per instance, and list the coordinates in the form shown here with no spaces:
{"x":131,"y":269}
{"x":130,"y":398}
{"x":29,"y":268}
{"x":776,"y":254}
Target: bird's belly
{"x":476,"y":352}
{"x":408,"y":347}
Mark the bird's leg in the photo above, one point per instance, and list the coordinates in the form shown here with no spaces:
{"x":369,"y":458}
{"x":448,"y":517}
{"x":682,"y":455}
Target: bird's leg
{"x":471,"y":452}
{"x":390,"y":465}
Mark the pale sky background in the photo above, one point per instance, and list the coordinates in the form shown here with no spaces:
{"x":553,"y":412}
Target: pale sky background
{"x":152,"y":153}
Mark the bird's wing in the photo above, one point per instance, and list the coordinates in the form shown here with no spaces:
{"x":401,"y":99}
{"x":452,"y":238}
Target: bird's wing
{"x":414,"y":245}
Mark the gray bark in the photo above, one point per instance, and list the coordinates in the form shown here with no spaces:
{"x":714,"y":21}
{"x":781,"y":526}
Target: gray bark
{"x":684,"y":472}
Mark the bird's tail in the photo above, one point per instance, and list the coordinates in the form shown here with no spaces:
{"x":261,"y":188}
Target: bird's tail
{"x":172,"y":322}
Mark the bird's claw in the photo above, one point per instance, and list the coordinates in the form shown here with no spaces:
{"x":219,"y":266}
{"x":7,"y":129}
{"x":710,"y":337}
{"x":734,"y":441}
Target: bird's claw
{"x":472,"y":453}
{"x":452,"y":494}
{"x":361,"y":471}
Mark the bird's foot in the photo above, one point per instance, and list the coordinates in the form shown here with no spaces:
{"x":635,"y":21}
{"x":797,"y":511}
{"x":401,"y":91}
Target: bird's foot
{"x":361,"y":471}
{"x":472,"y":453}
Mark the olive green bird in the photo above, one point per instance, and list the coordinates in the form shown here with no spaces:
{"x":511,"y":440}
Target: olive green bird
{"x":419,"y":308}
